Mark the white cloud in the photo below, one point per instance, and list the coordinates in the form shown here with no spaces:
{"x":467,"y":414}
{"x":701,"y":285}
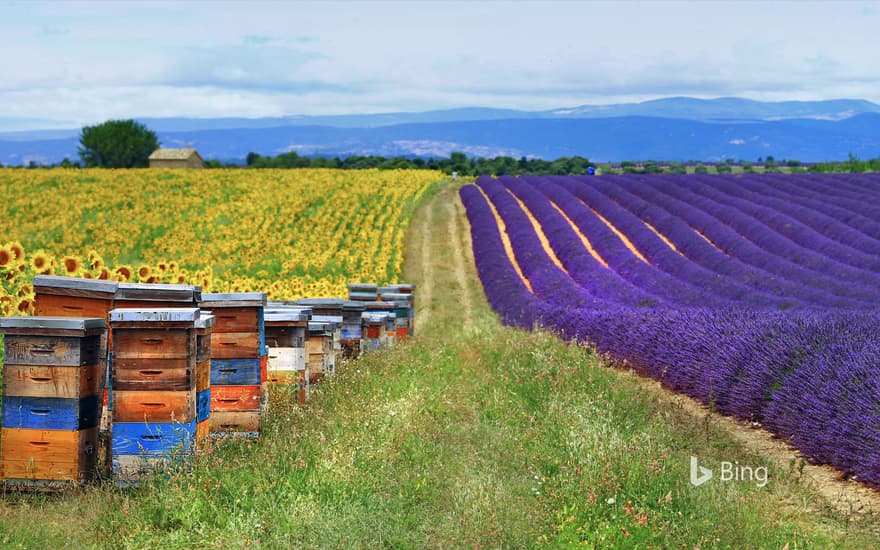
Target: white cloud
{"x":86,"y":61}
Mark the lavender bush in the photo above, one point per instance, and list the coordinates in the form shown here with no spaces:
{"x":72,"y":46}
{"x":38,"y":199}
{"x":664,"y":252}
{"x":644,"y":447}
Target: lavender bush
{"x":776,"y":321}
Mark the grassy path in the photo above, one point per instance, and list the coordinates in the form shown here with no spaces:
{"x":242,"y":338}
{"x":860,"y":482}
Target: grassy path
{"x":471,"y":435}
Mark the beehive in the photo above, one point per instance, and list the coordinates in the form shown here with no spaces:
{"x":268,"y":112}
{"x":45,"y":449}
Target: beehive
{"x":239,"y":364}
{"x":156,"y":405}
{"x":363,"y":292}
{"x":390,"y":311}
{"x":409,"y":289}
{"x":319,"y":343}
{"x":402,"y":312}
{"x":334,"y":327}
{"x":286,"y":337}
{"x":52,"y":382}
{"x":351,"y":328}
{"x":79,"y":297}
{"x":373,"y":335}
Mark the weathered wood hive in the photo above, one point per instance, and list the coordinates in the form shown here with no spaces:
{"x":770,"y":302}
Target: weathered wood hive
{"x":52,"y":386}
{"x":160,"y":394}
{"x":239,"y":364}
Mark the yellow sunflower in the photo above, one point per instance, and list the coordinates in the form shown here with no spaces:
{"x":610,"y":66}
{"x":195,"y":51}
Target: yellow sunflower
{"x":41,"y":262}
{"x":6,"y":256}
{"x":71,"y":265}
{"x":25,"y":306}
{"x":143,"y":272}
{"x":17,"y":249}
{"x":124,"y":273}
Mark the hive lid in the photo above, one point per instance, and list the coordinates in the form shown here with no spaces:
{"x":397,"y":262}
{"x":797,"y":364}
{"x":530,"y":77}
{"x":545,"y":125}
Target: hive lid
{"x":51,"y":323}
{"x":396,"y":296}
{"x":155,"y":292}
{"x":321,"y":302}
{"x":362,"y":287}
{"x":205,"y":320}
{"x":292,"y":315}
{"x":234,"y":299}
{"x":321,"y":327}
{"x":336,"y":319}
{"x":375,"y":317}
{"x":380,"y":306}
{"x":405,"y":288}
{"x":155,"y":315}
{"x":353,"y":306}
{"x":74,"y":286}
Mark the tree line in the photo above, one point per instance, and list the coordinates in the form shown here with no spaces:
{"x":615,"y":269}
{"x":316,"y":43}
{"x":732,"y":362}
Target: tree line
{"x":457,"y":162}
{"x":128,"y":144}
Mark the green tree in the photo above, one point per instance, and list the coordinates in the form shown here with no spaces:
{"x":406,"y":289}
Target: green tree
{"x":117,"y":144}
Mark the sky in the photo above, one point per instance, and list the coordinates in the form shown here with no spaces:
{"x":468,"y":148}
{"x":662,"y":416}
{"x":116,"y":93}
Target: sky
{"x":68,"y":62}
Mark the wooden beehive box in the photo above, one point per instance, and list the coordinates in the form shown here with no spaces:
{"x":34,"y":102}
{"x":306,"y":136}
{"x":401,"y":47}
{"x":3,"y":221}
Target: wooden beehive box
{"x":52,"y":383}
{"x":363,"y":292}
{"x":409,"y":289}
{"x":239,"y":364}
{"x":402,"y":311}
{"x":318,"y":350}
{"x":373,"y":331}
{"x":286,"y":335}
{"x":156,"y":405}
{"x":73,"y":297}
{"x":80,"y":297}
{"x":151,"y":295}
{"x":390,"y":310}
{"x":351,"y":328}
{"x":239,"y":332}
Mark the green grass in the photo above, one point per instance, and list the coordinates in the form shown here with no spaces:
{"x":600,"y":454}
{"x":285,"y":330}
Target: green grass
{"x":474,"y":437}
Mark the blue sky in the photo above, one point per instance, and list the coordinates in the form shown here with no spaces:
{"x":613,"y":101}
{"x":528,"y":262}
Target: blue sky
{"x":83,"y":62}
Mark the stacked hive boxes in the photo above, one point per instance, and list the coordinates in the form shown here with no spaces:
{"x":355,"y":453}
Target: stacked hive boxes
{"x":363,"y":292}
{"x":77,"y":297}
{"x":402,"y":310}
{"x":326,"y":323}
{"x":238,"y":362}
{"x":351,"y":328}
{"x":388,"y":309}
{"x":52,"y":381}
{"x":151,"y":296}
{"x":374,"y":330}
{"x":319,"y":349}
{"x":409,"y":289}
{"x":286,"y":329}
{"x":156,"y":380}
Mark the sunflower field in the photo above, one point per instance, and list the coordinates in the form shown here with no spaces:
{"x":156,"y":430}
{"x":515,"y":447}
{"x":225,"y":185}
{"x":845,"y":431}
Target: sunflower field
{"x":290,"y":233}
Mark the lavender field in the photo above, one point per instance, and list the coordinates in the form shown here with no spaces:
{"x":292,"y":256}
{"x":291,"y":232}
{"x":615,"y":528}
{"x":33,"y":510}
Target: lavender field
{"x":758,"y":295}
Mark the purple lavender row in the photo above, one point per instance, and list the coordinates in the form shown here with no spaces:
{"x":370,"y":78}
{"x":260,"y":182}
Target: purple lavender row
{"x":702,"y":253}
{"x":505,"y":290}
{"x":808,"y":378}
{"x":622,"y":260}
{"x":549,"y":283}
{"x":587,"y":272}
{"x":784,"y":225}
{"x":752,"y":229}
{"x":842,"y":225}
{"x":663,"y":257}
{"x":735,"y":245}
{"x":859,"y":199}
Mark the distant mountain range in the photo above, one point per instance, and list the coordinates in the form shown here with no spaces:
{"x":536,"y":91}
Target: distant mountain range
{"x":666,"y":129}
